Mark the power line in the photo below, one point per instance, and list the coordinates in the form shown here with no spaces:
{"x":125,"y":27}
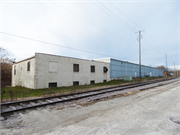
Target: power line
{"x":153,"y":41}
{"x":62,"y":46}
{"x":149,"y":44}
{"x":59,"y":45}
{"x":91,"y":23}
{"x":106,"y":13}
{"x":124,"y":14}
{"x":111,"y":16}
{"x":131,"y":20}
{"x":114,"y":15}
{"x":152,"y":45}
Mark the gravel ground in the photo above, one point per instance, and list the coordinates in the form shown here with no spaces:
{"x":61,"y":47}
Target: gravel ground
{"x":151,"y":112}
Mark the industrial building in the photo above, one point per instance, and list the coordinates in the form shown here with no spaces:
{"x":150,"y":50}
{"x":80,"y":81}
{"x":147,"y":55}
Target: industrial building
{"x":119,"y":68}
{"x":45,"y":70}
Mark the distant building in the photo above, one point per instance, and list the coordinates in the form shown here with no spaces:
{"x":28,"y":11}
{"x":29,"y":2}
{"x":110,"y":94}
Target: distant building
{"x":119,"y":68}
{"x":45,"y":70}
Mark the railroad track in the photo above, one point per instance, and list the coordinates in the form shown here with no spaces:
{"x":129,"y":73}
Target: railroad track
{"x":11,"y":107}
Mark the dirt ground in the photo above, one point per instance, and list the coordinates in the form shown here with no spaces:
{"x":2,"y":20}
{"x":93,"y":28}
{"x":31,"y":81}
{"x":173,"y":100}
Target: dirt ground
{"x":151,"y":112}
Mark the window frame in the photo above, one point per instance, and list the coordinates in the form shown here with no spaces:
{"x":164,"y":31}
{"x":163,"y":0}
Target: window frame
{"x":29,"y":66}
{"x":75,"y":83}
{"x":52,"y":84}
{"x":93,"y":69}
{"x":15,"y":70}
{"x":92,"y":82}
{"x":75,"y":67}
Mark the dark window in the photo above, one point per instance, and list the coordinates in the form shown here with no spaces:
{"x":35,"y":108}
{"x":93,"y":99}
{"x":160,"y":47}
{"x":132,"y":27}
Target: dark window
{"x":92,"y":68}
{"x":28,"y":66}
{"x":14,"y":70}
{"x":75,"y":83}
{"x":104,"y":80}
{"x":54,"y":84}
{"x":105,"y":69}
{"x":76,"y":67}
{"x":92,"y":82}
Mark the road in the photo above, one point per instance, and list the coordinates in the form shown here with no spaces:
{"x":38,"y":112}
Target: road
{"x":151,"y":112}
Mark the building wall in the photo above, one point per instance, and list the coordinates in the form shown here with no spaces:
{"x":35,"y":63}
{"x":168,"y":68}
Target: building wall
{"x":23,"y":77}
{"x":52,"y":68}
{"x":119,"y":68}
{"x":122,"y":68}
{"x":107,"y":60}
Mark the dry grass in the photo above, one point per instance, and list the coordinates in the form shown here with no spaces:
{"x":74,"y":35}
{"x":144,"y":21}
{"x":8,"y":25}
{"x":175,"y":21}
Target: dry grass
{"x":85,"y":103}
{"x":130,"y":93}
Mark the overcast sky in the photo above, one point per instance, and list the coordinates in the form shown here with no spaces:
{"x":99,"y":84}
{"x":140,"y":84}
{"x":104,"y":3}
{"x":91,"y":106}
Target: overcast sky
{"x":103,"y":28}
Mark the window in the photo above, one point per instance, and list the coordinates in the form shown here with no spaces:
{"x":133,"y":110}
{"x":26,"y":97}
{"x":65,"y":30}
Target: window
{"x":14,"y":70}
{"x":92,"y":82}
{"x":53,"y":84}
{"x":28,"y":66}
{"x":104,"y":80}
{"x":75,"y":83}
{"x":105,"y":69}
{"x":92,"y":68}
{"x":76,"y":67}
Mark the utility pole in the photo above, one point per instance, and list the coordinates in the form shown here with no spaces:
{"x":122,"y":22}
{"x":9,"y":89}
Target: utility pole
{"x":166,"y":64}
{"x":140,"y":52}
{"x":177,"y":71}
{"x":174,"y":69}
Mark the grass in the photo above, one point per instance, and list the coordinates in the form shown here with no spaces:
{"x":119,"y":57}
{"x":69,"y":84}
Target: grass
{"x":21,"y":93}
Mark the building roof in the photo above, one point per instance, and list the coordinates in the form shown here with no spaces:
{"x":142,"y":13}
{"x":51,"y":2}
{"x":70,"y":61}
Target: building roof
{"x":127,"y":62}
{"x":24,"y":60}
{"x":71,"y":57}
{"x":56,"y":56}
{"x":96,"y":60}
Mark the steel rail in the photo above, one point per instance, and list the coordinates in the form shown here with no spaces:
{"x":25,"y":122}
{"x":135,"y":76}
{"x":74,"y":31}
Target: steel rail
{"x":71,"y":94}
{"x":74,"y":98}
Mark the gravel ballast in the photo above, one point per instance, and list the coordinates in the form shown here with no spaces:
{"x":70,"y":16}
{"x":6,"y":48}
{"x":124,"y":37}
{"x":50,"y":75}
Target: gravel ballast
{"x":153,"y":111}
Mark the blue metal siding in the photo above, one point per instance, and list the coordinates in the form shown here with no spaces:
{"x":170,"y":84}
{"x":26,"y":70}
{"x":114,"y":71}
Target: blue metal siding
{"x":118,"y":69}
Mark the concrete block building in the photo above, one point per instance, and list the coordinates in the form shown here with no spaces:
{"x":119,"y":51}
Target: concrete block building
{"x":119,"y":68}
{"x":45,"y":70}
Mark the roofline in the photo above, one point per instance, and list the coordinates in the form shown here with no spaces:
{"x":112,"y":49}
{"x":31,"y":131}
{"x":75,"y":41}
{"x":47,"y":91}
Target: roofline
{"x":72,"y":57}
{"x":24,"y":60}
{"x":134,"y":63}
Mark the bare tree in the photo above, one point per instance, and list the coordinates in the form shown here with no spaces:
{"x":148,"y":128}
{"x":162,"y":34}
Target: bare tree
{"x":6,"y":67}
{"x":162,"y":67}
{"x":3,"y":53}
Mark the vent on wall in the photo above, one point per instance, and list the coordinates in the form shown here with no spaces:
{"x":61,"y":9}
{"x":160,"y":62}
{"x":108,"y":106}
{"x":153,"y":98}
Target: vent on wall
{"x":105,"y":69}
